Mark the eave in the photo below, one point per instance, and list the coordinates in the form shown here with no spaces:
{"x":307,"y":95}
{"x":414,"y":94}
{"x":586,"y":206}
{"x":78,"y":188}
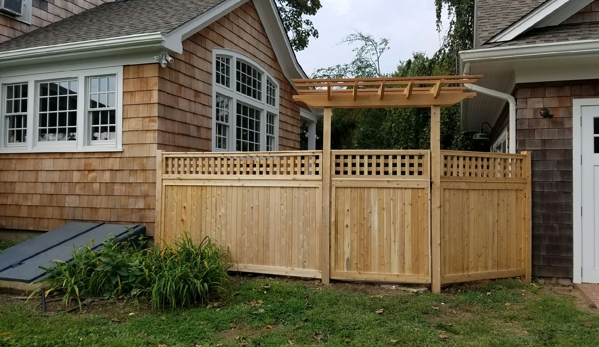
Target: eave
{"x":530,"y":51}
{"x":152,"y":42}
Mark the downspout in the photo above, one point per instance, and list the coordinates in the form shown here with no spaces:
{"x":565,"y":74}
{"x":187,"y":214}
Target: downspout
{"x":512,"y":105}
{"x":507,"y":97}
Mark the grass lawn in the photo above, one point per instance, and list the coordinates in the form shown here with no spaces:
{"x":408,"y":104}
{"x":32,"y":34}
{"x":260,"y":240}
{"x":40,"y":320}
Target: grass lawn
{"x":276,"y":312}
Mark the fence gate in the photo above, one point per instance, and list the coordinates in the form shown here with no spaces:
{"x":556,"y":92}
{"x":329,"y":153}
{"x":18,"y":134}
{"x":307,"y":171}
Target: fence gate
{"x":380,"y":216}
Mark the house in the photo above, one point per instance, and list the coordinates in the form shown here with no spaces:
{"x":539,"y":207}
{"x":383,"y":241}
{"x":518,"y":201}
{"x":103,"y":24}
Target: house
{"x":88,"y":100}
{"x":540,"y":61}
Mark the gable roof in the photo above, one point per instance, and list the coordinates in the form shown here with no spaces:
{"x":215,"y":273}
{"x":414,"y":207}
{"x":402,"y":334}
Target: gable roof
{"x":555,"y":34}
{"x":494,"y":16}
{"x":501,"y":21}
{"x":145,"y":27}
{"x":115,"y":19}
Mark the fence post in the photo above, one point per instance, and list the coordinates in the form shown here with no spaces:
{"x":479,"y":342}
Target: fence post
{"x":527,"y":217}
{"x":159,"y":207}
{"x":435,"y":218}
{"x":326,"y":196}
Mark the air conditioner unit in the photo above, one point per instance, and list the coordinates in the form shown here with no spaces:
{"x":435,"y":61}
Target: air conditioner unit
{"x":12,"y":7}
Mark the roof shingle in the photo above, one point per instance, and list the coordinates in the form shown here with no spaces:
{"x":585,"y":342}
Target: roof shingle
{"x":114,"y":19}
{"x":493,"y":16}
{"x":554,"y":34}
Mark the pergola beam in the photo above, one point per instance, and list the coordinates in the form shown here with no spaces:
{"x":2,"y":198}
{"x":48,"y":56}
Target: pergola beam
{"x":373,"y":100}
{"x":392,"y":92}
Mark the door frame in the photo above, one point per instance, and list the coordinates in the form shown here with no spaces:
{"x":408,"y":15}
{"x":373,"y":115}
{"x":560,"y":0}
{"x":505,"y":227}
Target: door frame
{"x":577,"y":105}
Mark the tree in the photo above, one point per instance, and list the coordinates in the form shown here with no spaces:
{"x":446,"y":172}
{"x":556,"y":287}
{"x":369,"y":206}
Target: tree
{"x":390,"y":128}
{"x":366,"y":61}
{"x":298,"y":28}
{"x":460,"y":31}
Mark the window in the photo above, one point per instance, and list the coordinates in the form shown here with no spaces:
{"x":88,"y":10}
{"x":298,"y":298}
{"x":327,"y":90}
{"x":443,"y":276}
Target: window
{"x":24,"y":14}
{"x":15,"y":113}
{"x":501,"y":144}
{"x":245,"y":105}
{"x":64,"y":112}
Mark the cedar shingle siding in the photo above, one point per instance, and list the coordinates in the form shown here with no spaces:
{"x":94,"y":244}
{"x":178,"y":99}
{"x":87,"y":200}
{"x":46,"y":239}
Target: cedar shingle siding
{"x":186,"y":85}
{"x":550,"y":140}
{"x":45,"y":190}
{"x":163,"y":108}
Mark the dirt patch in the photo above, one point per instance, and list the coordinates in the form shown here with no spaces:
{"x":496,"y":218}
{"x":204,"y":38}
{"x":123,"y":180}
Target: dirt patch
{"x":358,"y":287}
{"x":552,"y":287}
{"x":115,"y":310}
{"x":241,"y":335}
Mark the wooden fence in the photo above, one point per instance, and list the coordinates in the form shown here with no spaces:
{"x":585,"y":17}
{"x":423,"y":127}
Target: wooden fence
{"x":267,"y":208}
{"x":486,"y":216}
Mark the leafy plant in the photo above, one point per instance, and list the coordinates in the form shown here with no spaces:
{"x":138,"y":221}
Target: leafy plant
{"x":178,"y":275}
{"x":186,"y":273}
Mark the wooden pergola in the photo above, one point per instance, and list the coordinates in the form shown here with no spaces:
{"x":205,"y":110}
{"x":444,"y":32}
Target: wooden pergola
{"x":406,"y":92}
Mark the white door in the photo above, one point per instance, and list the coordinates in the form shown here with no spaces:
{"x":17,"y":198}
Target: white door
{"x":590,"y":193}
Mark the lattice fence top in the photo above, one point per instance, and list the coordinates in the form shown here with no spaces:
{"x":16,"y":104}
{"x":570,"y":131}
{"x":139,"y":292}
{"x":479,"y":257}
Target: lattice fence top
{"x":384,"y":92}
{"x":483,"y":166}
{"x":306,"y":163}
{"x":390,"y":164}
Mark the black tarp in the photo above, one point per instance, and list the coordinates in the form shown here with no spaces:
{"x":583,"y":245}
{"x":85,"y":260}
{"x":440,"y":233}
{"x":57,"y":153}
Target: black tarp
{"x":22,"y":262}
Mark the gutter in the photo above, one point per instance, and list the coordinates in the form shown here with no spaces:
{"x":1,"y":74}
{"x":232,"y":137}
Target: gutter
{"x":152,"y":40}
{"x":554,"y":49}
{"x":512,"y":108}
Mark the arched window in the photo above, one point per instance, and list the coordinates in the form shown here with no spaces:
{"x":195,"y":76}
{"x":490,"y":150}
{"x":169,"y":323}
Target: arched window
{"x":245,"y":108}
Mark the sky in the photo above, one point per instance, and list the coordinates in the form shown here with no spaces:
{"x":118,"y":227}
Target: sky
{"x":408,"y":24}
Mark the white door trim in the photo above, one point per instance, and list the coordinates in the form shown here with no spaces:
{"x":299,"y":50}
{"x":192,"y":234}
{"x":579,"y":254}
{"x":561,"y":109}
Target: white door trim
{"x":577,"y":181}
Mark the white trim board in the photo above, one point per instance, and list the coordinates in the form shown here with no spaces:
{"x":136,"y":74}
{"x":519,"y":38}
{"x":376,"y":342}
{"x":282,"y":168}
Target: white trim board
{"x":577,"y":105}
{"x":551,"y":12}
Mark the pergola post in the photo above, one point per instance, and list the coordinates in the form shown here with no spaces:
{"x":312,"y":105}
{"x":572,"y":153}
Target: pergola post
{"x":435,"y":222}
{"x":326,"y":196}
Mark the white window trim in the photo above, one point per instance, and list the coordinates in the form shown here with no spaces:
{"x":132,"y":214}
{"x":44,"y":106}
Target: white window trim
{"x":83,"y":142}
{"x":236,"y":97}
{"x":500,"y":139}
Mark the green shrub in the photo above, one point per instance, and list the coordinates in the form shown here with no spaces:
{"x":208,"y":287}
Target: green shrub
{"x":179,"y":275}
{"x":187,"y":274}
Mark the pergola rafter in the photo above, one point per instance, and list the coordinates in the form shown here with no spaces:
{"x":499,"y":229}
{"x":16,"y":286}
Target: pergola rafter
{"x":392,"y":92}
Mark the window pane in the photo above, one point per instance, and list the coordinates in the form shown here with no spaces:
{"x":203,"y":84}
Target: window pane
{"x":223,"y":71}
{"x":249,"y":80}
{"x":596,"y":145}
{"x":57,"y":116}
{"x":270,"y":132}
{"x":222,"y":109}
{"x":271,"y":93}
{"x":248,"y":128}
{"x":596,"y":126}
